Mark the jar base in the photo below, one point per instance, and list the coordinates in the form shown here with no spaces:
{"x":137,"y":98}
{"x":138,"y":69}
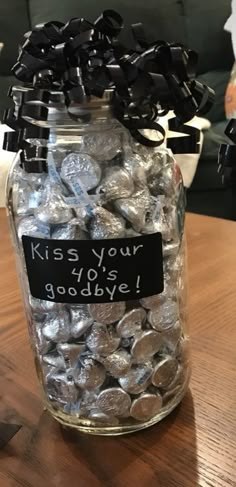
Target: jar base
{"x":87,"y":426}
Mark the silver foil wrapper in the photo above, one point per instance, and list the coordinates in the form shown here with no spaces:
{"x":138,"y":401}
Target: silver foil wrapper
{"x":118,"y":183}
{"x":35,"y":180}
{"x":179,"y":378}
{"x":61,"y":388}
{"x":105,"y":225}
{"x":114,"y":401}
{"x":117,"y":364}
{"x":164,"y":372}
{"x":89,"y":374}
{"x":69,"y":231}
{"x":172,"y":336}
{"x":131,"y":323}
{"x":103,"y":146}
{"x":136,"y":209}
{"x":137,"y":379}
{"x":102,"y":340}
{"x":26,"y":199}
{"x":82,"y":217}
{"x":146,"y":406}
{"x":107,"y":313}
{"x":56,"y":327}
{"x":163,"y":318}
{"x":53,"y":209}
{"x":71,"y":353}
{"x":183,"y":349}
{"x":161,"y":180}
{"x":43,"y":345}
{"x":81,"y":321}
{"x":105,"y":419}
{"x":54,"y":360}
{"x":156,"y":219}
{"x":87,"y":402}
{"x":83,"y":168}
{"x":131,"y":233}
{"x":151,"y":302}
{"x":145,"y":345}
{"x":32,"y":228}
{"x":137,"y":167}
{"x":42,"y":306}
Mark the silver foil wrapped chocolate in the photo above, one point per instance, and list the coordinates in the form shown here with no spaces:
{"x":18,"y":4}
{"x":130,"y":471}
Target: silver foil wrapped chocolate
{"x":26,"y":199}
{"x":42,"y":344}
{"x":32,"y":228}
{"x":179,"y":378}
{"x":136,"y":166}
{"x":61,"y":388}
{"x":151,"y":302}
{"x":161,"y":177}
{"x":136,"y":209}
{"x":118,"y":183}
{"x":105,"y":225}
{"x":146,"y":406}
{"x":81,"y":320}
{"x":42,"y":306}
{"x":54,"y":360}
{"x":131,"y":323}
{"x":71,"y":353}
{"x":137,"y":379}
{"x":183,"y":349}
{"x":163,"y":318}
{"x":107,"y":313}
{"x":101,"y":418}
{"x":114,"y":401}
{"x":102,"y":340}
{"x":172,"y":336}
{"x":53,"y":209}
{"x":89,"y":374}
{"x":69,"y":231}
{"x":164,"y":371}
{"x":102,"y":146}
{"x":117,"y":364}
{"x":81,"y":168}
{"x":145,"y":345}
{"x":56,"y":327}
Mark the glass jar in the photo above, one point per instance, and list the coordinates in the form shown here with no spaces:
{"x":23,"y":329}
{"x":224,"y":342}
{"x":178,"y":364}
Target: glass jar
{"x":98,"y":228}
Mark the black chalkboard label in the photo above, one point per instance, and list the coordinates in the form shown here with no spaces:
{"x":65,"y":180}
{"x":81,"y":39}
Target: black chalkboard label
{"x":94,"y":271}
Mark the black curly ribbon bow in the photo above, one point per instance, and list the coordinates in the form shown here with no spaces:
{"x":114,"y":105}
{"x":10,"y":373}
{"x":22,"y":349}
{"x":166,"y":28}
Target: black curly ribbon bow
{"x":83,"y":59}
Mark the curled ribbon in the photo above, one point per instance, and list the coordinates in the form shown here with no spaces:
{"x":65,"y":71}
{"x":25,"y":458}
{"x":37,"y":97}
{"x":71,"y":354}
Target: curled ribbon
{"x":227,"y":156}
{"x":83,"y":59}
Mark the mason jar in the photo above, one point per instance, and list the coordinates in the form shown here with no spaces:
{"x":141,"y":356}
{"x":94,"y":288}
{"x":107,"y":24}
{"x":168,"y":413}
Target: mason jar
{"x":97,"y":221}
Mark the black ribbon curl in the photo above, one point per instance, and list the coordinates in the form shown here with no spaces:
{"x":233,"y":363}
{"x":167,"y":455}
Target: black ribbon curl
{"x":227,"y":156}
{"x":83,"y":59}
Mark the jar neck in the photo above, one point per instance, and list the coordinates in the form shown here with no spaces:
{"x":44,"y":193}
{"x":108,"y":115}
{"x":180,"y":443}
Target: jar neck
{"x":48,"y":109}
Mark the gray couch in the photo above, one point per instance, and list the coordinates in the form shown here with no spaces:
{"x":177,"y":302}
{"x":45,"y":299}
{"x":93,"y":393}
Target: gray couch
{"x":195,"y":23}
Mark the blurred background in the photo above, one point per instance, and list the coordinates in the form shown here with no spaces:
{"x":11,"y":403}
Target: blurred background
{"x":198,"y":24}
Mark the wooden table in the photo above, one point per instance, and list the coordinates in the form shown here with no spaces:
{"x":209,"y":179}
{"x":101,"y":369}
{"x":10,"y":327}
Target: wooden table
{"x":195,"y":446}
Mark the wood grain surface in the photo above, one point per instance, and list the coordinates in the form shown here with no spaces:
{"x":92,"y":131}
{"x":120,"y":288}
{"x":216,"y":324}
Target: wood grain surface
{"x":195,"y":446}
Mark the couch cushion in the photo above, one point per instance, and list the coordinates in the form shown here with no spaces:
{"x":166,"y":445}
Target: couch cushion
{"x":162,"y":19}
{"x":205,"y":21}
{"x":14,"y":21}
